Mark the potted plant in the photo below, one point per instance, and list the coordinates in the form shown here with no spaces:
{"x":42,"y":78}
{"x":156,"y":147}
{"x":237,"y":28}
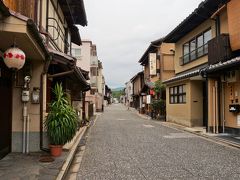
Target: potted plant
{"x":61,"y":122}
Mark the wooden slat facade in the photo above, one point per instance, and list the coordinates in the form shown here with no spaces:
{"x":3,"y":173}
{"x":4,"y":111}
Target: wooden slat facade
{"x":219,"y":49}
{"x":24,"y":7}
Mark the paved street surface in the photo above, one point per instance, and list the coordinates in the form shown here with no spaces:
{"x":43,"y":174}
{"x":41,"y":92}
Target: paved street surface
{"x":121,"y":145}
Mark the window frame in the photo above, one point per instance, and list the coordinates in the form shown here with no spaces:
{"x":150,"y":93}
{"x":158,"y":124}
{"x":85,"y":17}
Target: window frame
{"x":78,"y":57}
{"x":175,"y":94}
{"x":187,"y":57}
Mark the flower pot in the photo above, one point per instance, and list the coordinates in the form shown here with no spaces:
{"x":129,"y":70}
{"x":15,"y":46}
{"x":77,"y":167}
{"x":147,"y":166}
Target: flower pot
{"x":56,"y":150}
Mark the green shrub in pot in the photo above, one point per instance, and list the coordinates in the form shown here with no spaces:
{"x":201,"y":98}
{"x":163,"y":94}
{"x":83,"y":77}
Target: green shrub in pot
{"x":61,"y":122}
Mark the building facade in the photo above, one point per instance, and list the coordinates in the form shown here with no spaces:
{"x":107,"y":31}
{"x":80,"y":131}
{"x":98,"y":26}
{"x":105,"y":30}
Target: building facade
{"x":158,"y":63}
{"x":137,"y":84}
{"x":204,"y":91}
{"x":31,"y":26}
{"x":129,"y":94}
{"x":89,"y":62}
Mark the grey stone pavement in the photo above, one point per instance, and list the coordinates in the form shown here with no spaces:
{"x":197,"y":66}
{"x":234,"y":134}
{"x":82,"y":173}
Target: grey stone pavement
{"x":17,"y":166}
{"x":122,"y":145}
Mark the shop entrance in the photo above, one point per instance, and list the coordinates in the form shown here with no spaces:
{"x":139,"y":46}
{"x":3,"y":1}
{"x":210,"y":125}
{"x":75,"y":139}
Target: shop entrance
{"x":5,"y":109}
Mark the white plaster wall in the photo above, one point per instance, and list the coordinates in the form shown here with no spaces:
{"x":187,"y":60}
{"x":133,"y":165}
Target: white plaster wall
{"x":84,"y":61}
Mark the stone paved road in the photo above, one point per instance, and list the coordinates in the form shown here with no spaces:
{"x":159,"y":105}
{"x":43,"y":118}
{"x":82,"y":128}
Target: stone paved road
{"x":121,"y":145}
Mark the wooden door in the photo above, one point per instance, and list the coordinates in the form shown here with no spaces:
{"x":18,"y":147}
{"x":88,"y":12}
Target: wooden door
{"x":5,"y":110}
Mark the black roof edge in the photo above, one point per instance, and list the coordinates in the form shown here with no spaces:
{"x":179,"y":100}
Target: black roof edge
{"x":85,"y":22}
{"x":153,"y":46}
{"x":158,"y":41}
{"x":34,"y":30}
{"x":204,"y":7}
{"x":135,"y":76}
{"x":4,"y":9}
{"x":75,"y":35}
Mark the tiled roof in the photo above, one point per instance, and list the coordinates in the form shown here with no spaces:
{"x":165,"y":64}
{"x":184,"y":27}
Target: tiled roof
{"x":198,"y":16}
{"x":183,"y":76}
{"x":235,"y":62}
{"x":227,"y":64}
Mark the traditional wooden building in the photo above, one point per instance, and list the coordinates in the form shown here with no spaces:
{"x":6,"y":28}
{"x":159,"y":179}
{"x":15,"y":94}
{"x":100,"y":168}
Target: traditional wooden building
{"x":158,"y":63}
{"x":204,"y":91}
{"x":137,"y":84}
{"x":44,"y":31}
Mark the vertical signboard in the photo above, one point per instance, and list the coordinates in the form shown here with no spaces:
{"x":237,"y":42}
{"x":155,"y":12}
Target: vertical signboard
{"x":153,"y":63}
{"x":148,"y":99}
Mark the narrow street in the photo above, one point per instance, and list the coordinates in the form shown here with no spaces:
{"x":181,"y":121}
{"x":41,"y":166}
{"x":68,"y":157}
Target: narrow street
{"x":121,"y":145}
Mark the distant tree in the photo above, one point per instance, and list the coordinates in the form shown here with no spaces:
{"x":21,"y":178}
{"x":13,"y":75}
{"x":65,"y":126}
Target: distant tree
{"x":159,"y":104}
{"x":159,"y":87}
{"x":117,"y":94}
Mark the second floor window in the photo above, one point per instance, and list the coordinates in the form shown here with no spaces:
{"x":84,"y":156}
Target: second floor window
{"x":197,"y":47}
{"x":76,"y":53}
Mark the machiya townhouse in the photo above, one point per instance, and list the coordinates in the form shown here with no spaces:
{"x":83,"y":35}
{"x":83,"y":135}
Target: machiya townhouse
{"x":205,"y":89}
{"x":198,"y":62}
{"x":39,"y":33}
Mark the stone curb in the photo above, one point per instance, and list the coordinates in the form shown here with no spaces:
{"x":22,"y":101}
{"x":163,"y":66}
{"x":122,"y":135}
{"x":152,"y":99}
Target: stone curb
{"x":71,"y":154}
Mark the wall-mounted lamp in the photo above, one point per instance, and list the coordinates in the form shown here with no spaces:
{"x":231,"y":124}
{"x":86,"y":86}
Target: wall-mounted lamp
{"x":35,"y":95}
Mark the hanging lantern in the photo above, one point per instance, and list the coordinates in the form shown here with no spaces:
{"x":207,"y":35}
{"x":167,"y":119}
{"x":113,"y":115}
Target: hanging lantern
{"x":14,"y":58}
{"x":152,"y":92}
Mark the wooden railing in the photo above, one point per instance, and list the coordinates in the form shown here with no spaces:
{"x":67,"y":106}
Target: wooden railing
{"x":27,"y":8}
{"x":219,"y":49}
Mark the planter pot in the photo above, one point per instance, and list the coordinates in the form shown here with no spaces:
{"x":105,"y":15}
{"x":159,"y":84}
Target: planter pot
{"x":56,"y":150}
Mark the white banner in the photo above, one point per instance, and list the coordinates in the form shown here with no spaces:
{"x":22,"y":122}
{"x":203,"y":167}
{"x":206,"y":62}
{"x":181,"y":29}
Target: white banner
{"x":153,"y":63}
{"x":148,"y":99}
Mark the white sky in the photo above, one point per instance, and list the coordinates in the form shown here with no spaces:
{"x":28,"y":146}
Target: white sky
{"x":123,"y":29}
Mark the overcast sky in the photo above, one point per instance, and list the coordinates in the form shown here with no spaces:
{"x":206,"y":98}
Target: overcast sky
{"x":123,"y":29}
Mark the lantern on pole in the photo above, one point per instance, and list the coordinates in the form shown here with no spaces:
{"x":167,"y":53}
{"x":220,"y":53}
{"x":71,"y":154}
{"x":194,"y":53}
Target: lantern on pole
{"x":14,"y":58}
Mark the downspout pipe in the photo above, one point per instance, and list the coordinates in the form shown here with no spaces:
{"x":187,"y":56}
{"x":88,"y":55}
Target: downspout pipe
{"x":223,"y":108}
{"x":45,"y":70}
{"x":41,"y":115}
{"x":24,"y":127}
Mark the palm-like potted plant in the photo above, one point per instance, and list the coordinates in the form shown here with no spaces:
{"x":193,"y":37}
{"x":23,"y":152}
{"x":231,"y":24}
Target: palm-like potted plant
{"x":61,"y":122}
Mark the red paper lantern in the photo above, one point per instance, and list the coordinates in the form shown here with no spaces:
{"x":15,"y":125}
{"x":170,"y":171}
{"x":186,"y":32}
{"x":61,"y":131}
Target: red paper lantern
{"x":14,"y":58}
{"x":152,"y":92}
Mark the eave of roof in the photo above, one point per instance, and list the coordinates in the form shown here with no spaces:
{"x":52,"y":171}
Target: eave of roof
{"x":198,"y":16}
{"x":144,"y":58}
{"x":134,"y":77}
{"x":4,"y":9}
{"x":183,"y":76}
{"x":75,"y":35}
{"x":32,"y":27}
{"x":69,"y":63}
{"x":235,"y":62}
{"x":74,"y":11}
{"x":86,"y":85}
{"x":151,"y":48}
{"x":158,"y":41}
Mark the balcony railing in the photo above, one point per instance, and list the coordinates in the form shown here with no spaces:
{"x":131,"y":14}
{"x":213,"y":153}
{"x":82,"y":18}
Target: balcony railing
{"x":219,"y":49}
{"x":57,"y":35}
{"x":193,"y":55}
